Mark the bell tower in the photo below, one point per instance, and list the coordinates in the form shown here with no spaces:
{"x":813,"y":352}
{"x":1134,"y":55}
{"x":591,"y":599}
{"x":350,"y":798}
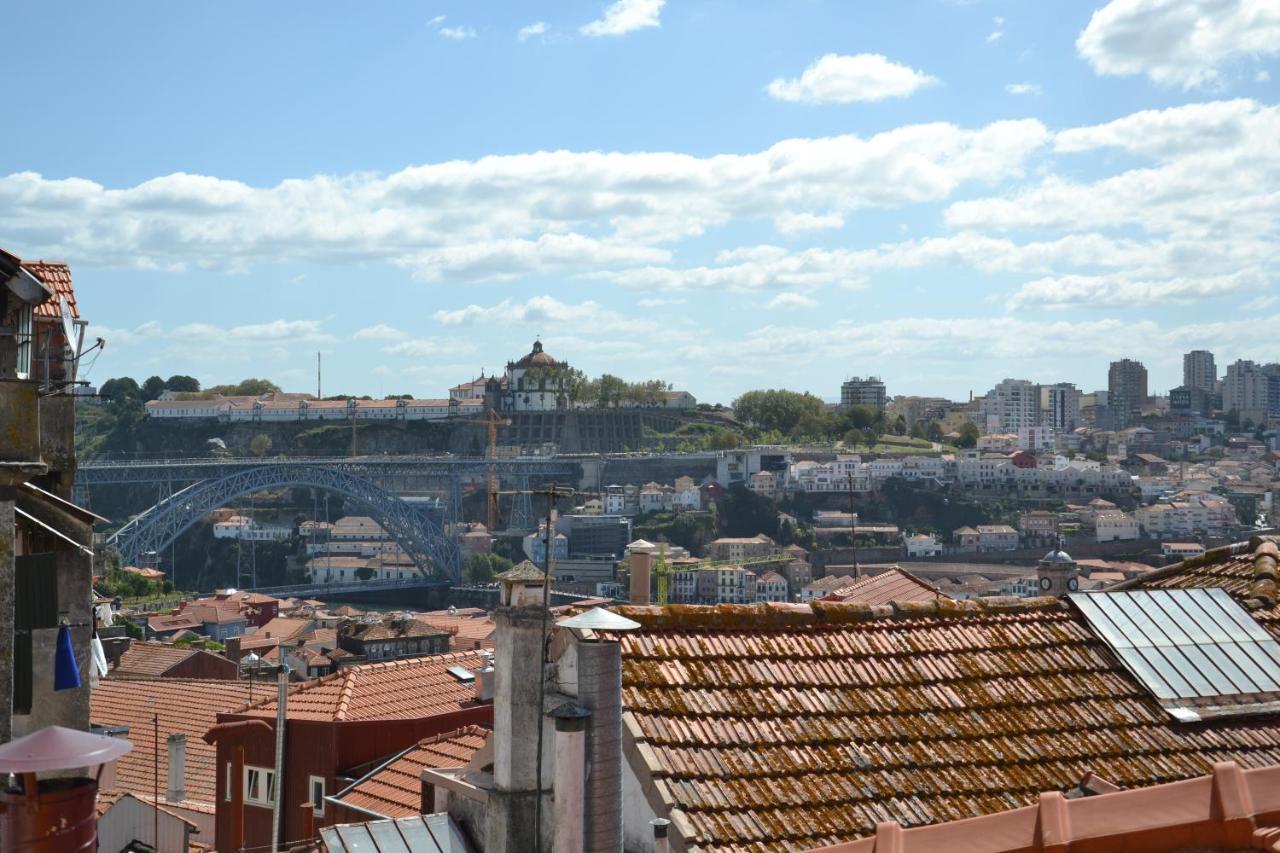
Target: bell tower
{"x":1058,"y":573}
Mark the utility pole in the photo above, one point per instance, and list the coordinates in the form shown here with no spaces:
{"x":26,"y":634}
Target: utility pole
{"x":853,"y":528}
{"x":319,"y":396}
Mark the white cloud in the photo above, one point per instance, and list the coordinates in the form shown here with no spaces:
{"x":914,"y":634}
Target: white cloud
{"x":549,"y":312}
{"x":1263,"y":76}
{"x":625,"y":16}
{"x":1179,"y":42}
{"x":789,"y":222}
{"x":837,"y":79}
{"x":123,"y":337}
{"x":998,"y":33}
{"x":1023,"y":88}
{"x":786,"y":301}
{"x":1120,"y":290}
{"x":377,"y":332}
{"x":1261,"y":303}
{"x":502,"y":216}
{"x":537,"y":28}
{"x":658,"y":302}
{"x":422,"y":347}
{"x":454,"y":33}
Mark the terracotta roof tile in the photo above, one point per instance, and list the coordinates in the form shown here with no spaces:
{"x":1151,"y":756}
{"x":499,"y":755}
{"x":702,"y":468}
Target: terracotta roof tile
{"x":410,"y":688}
{"x":183,"y":706}
{"x":151,"y":658}
{"x":58,"y":277}
{"x":775,"y":728}
{"x":1246,"y":570}
{"x":893,"y":585}
{"x":395,"y":788}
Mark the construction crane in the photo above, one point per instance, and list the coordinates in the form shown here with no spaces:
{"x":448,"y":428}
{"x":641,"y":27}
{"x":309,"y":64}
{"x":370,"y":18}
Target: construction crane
{"x":664,"y":571}
{"x":492,"y":421}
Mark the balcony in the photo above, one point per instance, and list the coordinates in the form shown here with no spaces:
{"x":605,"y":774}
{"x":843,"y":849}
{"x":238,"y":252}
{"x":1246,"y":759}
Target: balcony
{"x":20,"y":458}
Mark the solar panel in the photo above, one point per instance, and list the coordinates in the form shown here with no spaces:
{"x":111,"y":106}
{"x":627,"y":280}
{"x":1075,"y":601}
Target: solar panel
{"x":461,"y":673}
{"x":1197,"y":650}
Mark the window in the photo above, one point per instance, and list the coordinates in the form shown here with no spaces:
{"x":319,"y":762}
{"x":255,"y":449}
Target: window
{"x":23,"y":340}
{"x":259,"y":786}
{"x":315,"y":784}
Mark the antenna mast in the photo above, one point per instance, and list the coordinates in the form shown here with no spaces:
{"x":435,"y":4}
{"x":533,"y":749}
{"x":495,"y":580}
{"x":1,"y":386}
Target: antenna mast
{"x":319,"y":396}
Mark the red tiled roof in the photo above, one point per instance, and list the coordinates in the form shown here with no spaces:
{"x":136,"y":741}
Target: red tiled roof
{"x":58,"y":277}
{"x":151,"y":658}
{"x":787,"y":727}
{"x":411,"y":688}
{"x":184,"y":706}
{"x":283,"y":628}
{"x":176,"y":621}
{"x":893,"y":585}
{"x":1246,"y":570}
{"x":395,"y":788}
{"x":472,"y":628}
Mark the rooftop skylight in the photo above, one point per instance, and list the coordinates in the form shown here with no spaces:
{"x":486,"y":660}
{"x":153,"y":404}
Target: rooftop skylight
{"x":1197,"y":650}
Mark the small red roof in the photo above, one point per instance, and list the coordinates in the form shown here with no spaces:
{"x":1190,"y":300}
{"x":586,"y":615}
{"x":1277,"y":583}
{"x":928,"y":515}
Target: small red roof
{"x":395,"y":788}
{"x":58,"y":277}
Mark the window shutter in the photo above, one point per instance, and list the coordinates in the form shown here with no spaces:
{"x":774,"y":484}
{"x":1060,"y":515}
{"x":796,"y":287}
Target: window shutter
{"x":22,"y":677}
{"x":36,"y":592}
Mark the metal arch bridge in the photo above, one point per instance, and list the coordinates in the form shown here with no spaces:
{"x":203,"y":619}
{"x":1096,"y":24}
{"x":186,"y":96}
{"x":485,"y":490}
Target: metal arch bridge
{"x":443,"y":474}
{"x":420,"y":537}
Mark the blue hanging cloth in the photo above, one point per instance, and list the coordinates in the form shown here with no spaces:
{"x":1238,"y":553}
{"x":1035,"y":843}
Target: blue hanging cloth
{"x":66,"y":675}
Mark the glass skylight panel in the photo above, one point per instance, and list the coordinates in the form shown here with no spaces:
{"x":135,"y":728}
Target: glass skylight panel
{"x":1197,"y":650}
{"x":461,"y":673}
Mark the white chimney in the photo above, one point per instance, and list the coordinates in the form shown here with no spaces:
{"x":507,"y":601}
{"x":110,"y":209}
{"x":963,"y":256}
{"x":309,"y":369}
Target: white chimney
{"x":570,"y":782}
{"x":484,"y":683}
{"x":177,"y":768}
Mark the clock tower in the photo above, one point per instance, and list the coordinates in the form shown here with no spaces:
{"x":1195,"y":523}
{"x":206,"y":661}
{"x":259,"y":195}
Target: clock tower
{"x":1058,"y":573}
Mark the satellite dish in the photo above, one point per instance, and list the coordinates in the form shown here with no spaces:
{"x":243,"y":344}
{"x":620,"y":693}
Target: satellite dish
{"x":69,"y":328}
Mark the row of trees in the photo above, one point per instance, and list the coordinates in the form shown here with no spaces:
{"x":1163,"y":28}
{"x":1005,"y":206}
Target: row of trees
{"x":605,"y":391}
{"x":124,"y":388}
{"x":778,"y":415}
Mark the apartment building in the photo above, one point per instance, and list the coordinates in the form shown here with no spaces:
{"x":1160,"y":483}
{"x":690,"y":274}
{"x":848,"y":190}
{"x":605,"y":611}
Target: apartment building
{"x":1126,"y":391}
{"x":868,"y":392}
{"x":1011,"y":405}
{"x":1115,"y":526}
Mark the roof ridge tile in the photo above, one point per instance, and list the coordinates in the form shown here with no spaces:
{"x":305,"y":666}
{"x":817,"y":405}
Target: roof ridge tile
{"x":820,"y":612}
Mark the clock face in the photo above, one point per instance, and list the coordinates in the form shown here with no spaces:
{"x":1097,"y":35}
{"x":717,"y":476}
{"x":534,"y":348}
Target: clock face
{"x":1073,"y":584}
{"x":1045,"y":583}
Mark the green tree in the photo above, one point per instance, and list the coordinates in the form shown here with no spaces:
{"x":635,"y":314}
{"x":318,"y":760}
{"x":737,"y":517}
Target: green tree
{"x":152,"y":388}
{"x":260,"y":444}
{"x":934,"y":431}
{"x":482,"y":567}
{"x":181,"y":382}
{"x":118,"y":390}
{"x":724,"y":439}
{"x":860,"y":417}
{"x":968,"y":435}
{"x":744,"y":513}
{"x":776,"y":409}
{"x":853,"y":438}
{"x":610,"y":391}
{"x":245,"y":388}
{"x":899,"y":425}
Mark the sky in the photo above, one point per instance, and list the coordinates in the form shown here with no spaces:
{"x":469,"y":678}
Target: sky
{"x":724,"y":194}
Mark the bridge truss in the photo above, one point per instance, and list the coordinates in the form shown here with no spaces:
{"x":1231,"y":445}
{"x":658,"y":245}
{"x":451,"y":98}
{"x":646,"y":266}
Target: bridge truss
{"x":422,"y":539}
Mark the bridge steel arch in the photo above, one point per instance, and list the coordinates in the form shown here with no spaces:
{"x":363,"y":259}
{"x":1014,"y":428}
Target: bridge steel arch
{"x":432,"y":551}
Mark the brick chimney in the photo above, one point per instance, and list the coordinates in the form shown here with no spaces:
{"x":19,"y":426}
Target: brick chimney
{"x":641,"y":561}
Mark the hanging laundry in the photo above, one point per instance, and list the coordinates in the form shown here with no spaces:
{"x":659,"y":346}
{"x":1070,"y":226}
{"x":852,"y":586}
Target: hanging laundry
{"x":66,"y":674}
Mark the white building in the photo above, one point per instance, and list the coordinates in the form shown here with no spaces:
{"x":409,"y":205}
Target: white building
{"x":771,"y":586}
{"x":1012,"y":405}
{"x":1115,"y":526}
{"x":1036,"y":439}
{"x":1062,"y":403}
{"x":922,"y":545}
{"x":247,"y":530}
{"x":1246,"y":391}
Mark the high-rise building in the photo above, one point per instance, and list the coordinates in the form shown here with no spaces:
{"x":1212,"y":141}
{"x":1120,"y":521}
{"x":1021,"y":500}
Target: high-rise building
{"x":1012,"y":405}
{"x":1126,"y":391}
{"x":1063,"y":407}
{"x":863,"y":392}
{"x":1247,"y":391}
{"x":1199,"y":370}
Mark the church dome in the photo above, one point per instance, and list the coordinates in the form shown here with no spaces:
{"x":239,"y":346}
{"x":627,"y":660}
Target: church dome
{"x":537,"y":357}
{"x":1057,"y":556}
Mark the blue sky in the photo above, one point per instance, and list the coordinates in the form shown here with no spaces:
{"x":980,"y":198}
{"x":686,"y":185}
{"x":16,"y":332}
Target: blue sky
{"x":726,"y":195}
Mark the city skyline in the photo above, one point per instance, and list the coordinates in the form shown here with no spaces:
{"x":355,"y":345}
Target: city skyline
{"x":656,"y":189}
